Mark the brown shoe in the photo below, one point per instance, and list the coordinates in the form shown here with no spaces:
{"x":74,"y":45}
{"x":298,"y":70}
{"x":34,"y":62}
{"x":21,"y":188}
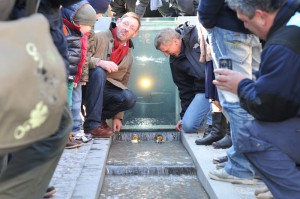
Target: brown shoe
{"x":100,"y":132}
{"x":104,"y":125}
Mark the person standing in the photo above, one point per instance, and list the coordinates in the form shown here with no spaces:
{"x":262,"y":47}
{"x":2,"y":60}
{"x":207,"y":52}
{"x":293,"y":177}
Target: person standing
{"x":107,"y":95}
{"x":78,"y":21}
{"x":271,"y":141}
{"x":188,"y":74}
{"x":30,"y":170}
{"x":228,"y":37}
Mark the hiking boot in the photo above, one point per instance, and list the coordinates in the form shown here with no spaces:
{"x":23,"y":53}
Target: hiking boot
{"x":49,"y":192}
{"x":220,"y":159}
{"x":222,"y":175}
{"x":218,"y":130}
{"x":73,"y":143}
{"x":225,"y":142}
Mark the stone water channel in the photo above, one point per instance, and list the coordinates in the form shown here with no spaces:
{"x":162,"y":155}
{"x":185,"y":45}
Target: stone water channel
{"x":149,"y":169}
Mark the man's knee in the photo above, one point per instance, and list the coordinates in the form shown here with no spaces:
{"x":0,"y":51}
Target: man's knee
{"x":97,"y":74}
{"x":129,"y":99}
{"x":187,"y":126}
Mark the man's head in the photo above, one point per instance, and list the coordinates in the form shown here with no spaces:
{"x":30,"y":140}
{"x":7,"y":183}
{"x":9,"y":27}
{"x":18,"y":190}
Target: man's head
{"x":128,"y":26}
{"x":168,"y":41}
{"x":258,"y":16}
{"x":85,"y":17}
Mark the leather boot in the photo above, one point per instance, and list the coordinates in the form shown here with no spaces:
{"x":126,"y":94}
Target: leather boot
{"x":218,"y":130}
{"x":225,"y":142}
{"x":207,"y":131}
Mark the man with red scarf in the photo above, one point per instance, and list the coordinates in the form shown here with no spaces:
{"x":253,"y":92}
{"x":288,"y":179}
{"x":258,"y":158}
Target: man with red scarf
{"x":107,"y":95}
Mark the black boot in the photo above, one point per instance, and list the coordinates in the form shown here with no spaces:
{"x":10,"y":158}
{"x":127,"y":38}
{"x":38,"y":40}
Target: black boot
{"x":207,"y":131}
{"x":218,"y":129}
{"x":225,"y":142}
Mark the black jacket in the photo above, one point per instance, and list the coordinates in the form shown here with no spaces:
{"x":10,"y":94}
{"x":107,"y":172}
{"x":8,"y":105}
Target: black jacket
{"x":216,"y":13}
{"x":51,"y":10}
{"x":187,"y":72}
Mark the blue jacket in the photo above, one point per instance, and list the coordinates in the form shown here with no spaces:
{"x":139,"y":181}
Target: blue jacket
{"x":275,"y":96}
{"x":216,"y":13}
{"x":187,"y":72}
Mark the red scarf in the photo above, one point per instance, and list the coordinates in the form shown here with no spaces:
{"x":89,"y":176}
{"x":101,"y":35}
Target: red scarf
{"x":119,"y":51}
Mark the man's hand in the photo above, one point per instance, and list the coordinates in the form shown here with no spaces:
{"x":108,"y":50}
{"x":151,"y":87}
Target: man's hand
{"x":117,"y":125}
{"x":228,"y":80}
{"x":178,"y":126}
{"x":109,"y":66}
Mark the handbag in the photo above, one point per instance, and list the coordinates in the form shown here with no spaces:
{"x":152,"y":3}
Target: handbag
{"x":33,"y":89}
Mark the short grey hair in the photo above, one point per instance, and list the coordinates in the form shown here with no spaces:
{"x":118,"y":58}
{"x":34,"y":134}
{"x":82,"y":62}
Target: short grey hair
{"x":248,"y":7}
{"x":165,"y":36}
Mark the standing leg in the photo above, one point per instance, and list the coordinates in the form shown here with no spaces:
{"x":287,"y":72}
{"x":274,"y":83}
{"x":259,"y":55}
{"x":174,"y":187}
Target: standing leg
{"x":76,"y":108}
{"x":30,"y":170}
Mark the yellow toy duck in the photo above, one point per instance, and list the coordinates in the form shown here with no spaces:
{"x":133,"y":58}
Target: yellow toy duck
{"x":135,"y":139}
{"x":159,"y":139}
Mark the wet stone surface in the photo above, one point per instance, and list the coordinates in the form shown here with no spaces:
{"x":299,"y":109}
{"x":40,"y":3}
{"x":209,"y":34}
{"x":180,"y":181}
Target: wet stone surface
{"x":148,"y":187}
{"x":150,"y":170}
{"x":149,"y":153}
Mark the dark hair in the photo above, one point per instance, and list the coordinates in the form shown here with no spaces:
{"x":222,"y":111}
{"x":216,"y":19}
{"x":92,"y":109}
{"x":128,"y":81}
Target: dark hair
{"x":248,"y":7}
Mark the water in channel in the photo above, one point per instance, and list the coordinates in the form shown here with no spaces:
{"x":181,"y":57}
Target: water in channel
{"x":150,"y":169}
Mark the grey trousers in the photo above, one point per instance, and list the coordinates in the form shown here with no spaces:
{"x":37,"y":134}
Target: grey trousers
{"x":30,"y":170}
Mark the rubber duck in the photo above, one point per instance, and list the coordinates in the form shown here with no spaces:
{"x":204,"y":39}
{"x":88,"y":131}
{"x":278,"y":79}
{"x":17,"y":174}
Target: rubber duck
{"x":159,"y":139}
{"x":135,"y":139}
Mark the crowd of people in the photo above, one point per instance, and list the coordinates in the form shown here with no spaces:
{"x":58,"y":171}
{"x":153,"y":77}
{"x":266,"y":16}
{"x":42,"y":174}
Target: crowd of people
{"x":251,"y":109}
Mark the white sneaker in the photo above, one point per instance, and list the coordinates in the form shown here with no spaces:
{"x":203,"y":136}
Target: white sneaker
{"x":261,"y":190}
{"x":266,"y":195}
{"x":222,"y":175}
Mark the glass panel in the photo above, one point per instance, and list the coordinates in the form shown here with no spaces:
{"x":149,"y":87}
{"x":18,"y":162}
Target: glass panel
{"x":157,"y":104}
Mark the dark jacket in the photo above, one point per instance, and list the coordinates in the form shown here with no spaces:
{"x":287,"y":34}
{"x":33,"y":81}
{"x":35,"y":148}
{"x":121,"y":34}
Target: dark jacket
{"x":217,"y":13}
{"x":75,"y":40}
{"x":185,"y":7}
{"x":187,"y":72}
{"x":120,"y":7}
{"x":275,"y":96}
{"x":51,"y":10}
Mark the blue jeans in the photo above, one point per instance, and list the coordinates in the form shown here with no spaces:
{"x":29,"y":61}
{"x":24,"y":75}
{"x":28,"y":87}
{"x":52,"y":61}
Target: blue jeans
{"x":104,"y":100}
{"x":76,"y":108}
{"x":244,"y":50}
{"x":237,"y":164}
{"x":273,"y":149}
{"x":195,"y":114}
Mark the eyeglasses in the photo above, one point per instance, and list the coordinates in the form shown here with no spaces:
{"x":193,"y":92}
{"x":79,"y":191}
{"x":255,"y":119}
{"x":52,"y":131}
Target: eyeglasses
{"x":131,"y":27}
